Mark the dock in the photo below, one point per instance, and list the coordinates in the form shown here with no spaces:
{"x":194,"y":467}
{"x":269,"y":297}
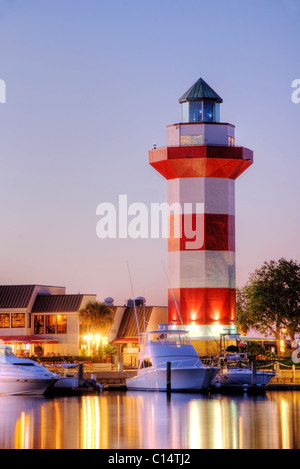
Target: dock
{"x":113,"y":379}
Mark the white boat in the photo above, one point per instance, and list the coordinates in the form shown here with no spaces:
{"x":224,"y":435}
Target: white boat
{"x":22,"y":375}
{"x":73,"y":383}
{"x":169,"y":345}
{"x":239,"y":377}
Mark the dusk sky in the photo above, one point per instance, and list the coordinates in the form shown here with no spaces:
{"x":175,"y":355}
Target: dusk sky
{"x":91,"y":86}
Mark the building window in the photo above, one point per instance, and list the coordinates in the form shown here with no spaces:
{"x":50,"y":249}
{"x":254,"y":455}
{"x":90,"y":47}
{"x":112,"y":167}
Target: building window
{"x":50,"y":324}
{"x":61,"y":324}
{"x":28,"y":320}
{"x":39,"y":324}
{"x":4,"y":321}
{"x":18,"y":320}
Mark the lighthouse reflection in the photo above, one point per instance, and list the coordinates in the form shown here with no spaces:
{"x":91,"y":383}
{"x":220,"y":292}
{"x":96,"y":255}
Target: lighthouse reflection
{"x":151,"y":420}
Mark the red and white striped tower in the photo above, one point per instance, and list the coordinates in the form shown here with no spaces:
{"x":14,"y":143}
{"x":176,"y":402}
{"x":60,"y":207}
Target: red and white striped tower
{"x":201,"y":163}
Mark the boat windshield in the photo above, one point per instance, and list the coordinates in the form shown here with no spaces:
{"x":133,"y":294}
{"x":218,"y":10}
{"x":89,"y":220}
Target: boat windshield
{"x":168,"y":338}
{"x":6,"y":352}
{"x":146,"y":363}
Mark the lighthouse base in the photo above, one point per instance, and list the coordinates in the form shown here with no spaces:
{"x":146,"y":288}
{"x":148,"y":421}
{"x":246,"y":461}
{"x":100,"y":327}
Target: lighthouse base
{"x":210,"y":340}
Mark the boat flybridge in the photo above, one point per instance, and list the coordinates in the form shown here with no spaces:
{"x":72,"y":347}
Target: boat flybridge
{"x":22,"y":375}
{"x":170,"y":345}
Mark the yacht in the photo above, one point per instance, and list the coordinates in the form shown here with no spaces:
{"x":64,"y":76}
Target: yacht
{"x":243,"y":378}
{"x":22,"y":375}
{"x":186,"y":372}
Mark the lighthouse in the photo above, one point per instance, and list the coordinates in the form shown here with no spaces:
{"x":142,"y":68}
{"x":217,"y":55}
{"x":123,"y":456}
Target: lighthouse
{"x":201,"y":163}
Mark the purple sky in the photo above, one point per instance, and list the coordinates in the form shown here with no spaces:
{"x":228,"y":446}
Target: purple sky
{"x":91,"y":86}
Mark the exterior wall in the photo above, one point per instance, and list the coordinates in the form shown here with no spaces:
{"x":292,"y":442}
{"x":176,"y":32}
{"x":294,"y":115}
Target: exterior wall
{"x":38,"y":289}
{"x":42,"y":290}
{"x":218,"y":194}
{"x":206,"y":348}
{"x":159,"y":315}
{"x":129,"y":352}
{"x":200,"y":134}
{"x":201,"y":269}
{"x":12,"y":330}
{"x":116,"y":324}
{"x":69,"y":343}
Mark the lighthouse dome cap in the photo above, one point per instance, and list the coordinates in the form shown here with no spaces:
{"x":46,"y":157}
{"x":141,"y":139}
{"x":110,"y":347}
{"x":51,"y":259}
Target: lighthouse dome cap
{"x":200,"y":91}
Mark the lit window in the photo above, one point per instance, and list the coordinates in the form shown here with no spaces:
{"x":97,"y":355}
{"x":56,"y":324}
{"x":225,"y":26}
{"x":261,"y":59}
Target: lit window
{"x":18,"y":320}
{"x":61,"y":324}
{"x":39,"y":325}
{"x":4,"y":321}
{"x":50,"y":324}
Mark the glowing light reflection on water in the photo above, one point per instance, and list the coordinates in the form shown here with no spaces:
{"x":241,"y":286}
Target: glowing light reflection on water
{"x":131,"y":420}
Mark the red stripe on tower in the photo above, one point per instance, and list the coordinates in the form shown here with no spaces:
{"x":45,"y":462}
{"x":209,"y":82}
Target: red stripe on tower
{"x":201,"y":163}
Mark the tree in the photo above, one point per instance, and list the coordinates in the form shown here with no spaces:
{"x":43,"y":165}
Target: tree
{"x":244,"y":318}
{"x":106,"y":351}
{"x":270,"y":301}
{"x":95,"y":316}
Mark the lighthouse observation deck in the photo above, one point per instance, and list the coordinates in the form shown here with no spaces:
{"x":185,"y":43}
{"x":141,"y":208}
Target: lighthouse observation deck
{"x":200,"y":133}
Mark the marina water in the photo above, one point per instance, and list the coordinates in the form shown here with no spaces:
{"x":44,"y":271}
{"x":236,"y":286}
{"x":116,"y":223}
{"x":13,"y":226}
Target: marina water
{"x":151,"y":420}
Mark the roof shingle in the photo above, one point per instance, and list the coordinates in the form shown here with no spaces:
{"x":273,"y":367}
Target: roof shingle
{"x":57,"y":303}
{"x":128,"y":327}
{"x":15,"y":296}
{"x":199,"y":91}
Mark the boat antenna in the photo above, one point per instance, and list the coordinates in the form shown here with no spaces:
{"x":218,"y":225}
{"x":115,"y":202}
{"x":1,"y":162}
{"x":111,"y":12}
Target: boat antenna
{"x":170,"y":286}
{"x":134,"y":306}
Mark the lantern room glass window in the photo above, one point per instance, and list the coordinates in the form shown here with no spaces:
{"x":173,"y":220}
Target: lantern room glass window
{"x":196,"y":111}
{"x":208,"y":111}
{"x":200,"y":111}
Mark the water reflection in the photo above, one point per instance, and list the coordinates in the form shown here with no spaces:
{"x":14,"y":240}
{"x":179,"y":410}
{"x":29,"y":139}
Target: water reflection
{"x":151,"y":420}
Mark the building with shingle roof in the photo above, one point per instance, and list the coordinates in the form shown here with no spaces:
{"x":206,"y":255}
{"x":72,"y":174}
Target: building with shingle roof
{"x":135,"y":321}
{"x":44,"y":316}
{"x":40,"y":315}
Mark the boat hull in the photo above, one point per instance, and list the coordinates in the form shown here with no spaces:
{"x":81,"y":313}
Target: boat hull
{"x":13,"y":386}
{"x":189,"y":379}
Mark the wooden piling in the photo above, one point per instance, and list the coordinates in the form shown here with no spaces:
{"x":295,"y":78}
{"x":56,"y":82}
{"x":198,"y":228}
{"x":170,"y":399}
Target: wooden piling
{"x":254,"y":373}
{"x":169,"y":387}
